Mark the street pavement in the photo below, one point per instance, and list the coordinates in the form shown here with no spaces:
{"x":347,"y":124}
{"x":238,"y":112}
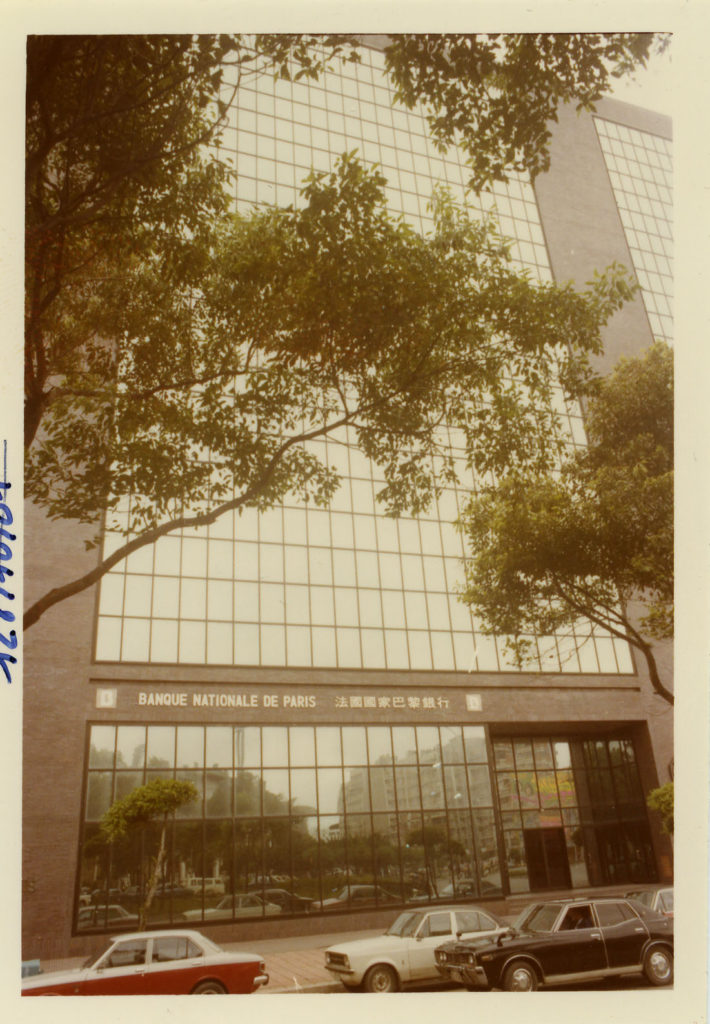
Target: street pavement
{"x":297,"y":964}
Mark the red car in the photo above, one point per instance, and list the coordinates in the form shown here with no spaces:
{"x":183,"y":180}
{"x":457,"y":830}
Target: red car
{"x":156,"y":963}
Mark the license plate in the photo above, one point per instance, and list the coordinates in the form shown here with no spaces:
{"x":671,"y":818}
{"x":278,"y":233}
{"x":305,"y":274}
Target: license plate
{"x":456,"y":976}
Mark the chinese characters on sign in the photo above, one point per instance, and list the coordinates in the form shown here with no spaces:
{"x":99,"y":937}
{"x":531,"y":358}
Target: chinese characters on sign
{"x":410,"y":702}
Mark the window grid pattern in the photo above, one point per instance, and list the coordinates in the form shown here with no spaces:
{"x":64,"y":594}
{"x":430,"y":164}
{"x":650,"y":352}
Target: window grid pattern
{"x":579,"y":788}
{"x":640,"y":169}
{"x":344,"y":587}
{"x":313,"y":807}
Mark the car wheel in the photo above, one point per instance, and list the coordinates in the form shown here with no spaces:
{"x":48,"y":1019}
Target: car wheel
{"x":209,"y":988}
{"x":520,"y":977}
{"x":658,"y":966}
{"x":381,"y":978}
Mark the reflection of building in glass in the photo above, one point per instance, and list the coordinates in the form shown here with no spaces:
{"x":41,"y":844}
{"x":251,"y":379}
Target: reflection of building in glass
{"x":422,"y":761}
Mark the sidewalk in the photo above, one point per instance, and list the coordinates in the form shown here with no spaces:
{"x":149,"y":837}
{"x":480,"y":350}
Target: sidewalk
{"x":297,"y":964}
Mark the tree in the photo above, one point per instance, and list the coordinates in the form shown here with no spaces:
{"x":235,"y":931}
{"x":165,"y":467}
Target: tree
{"x":586,"y":541}
{"x":155,"y":801}
{"x":662,"y":800}
{"x":497,"y":94}
{"x":145,"y":297}
{"x":307,"y":321}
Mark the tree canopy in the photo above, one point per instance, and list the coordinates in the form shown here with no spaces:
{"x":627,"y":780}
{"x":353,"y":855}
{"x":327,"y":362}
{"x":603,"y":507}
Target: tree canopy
{"x":497,"y":94}
{"x":593,"y":537}
{"x":156,"y":800}
{"x":179,"y":358}
{"x":306,"y":321}
{"x":662,"y":800}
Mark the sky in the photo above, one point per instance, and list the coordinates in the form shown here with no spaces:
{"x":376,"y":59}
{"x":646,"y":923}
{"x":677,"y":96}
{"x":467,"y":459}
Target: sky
{"x":652,"y":87}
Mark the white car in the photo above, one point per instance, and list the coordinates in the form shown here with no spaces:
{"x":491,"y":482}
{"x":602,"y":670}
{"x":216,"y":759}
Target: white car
{"x":404,"y":955}
{"x":244,"y":905}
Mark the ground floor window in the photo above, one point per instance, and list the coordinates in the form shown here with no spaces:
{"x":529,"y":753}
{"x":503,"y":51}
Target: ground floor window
{"x":322,"y":818}
{"x":572,"y":812}
{"x":292,"y":819}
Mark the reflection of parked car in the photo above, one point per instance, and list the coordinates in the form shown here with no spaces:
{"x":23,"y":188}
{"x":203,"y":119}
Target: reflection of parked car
{"x":114,"y":915}
{"x":468,"y":887}
{"x":156,"y":963}
{"x":241,"y":905}
{"x":564,"y":941}
{"x":405,"y":953}
{"x":212,"y":886}
{"x":289,"y":902}
{"x":102,"y":896}
{"x":658,"y":898}
{"x":356,"y":896}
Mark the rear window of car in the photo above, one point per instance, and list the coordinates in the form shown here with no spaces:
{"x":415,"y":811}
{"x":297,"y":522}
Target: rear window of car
{"x":174,"y":947}
{"x":470,"y":921}
{"x":613,"y":913}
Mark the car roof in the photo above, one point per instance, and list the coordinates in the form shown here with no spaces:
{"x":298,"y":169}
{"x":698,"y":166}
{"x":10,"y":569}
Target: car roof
{"x":433,"y":908}
{"x":189,"y":933}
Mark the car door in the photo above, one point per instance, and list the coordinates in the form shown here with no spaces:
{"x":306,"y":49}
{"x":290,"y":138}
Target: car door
{"x":623,"y":931}
{"x":175,"y":967}
{"x":576,"y":946}
{"x":121,"y":972}
{"x":436,"y":928}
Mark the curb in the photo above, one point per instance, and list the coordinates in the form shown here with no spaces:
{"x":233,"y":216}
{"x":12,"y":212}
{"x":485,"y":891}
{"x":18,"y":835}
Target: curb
{"x":302,"y":989}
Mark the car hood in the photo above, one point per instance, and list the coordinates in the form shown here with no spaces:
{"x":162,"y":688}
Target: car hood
{"x":54,"y":978}
{"x":484,"y":941}
{"x":380,"y":944}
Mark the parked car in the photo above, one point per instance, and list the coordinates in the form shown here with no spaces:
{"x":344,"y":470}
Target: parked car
{"x":289,"y":902}
{"x":114,"y":915}
{"x":658,"y":898}
{"x":212,"y":886}
{"x":405,"y":953}
{"x":562,"y":942}
{"x":156,"y":963}
{"x":241,"y":905}
{"x":356,"y":896}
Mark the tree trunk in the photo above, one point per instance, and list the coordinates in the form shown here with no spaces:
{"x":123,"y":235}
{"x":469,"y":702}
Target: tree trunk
{"x":153,"y":880}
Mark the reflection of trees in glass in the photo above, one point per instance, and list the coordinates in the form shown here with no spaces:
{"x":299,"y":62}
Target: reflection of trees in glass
{"x":437,"y":848}
{"x":156,"y":801}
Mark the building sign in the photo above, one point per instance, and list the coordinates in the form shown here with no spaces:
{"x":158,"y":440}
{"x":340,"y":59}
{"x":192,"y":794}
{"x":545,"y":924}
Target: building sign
{"x":414,"y":701}
{"x":411,"y":702}
{"x":157,"y":698}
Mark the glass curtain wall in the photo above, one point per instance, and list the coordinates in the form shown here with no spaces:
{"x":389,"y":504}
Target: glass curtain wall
{"x":640,"y":169}
{"x":573,"y":813}
{"x":291,"y":819}
{"x":343,"y":587}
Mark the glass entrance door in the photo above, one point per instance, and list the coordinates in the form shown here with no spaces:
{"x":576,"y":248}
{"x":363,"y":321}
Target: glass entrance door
{"x":546,"y":857}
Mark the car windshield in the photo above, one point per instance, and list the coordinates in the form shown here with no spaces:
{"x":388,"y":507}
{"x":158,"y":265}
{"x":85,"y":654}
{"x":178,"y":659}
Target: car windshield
{"x":406,"y":924}
{"x":666,"y":900}
{"x":95,"y":957}
{"x":540,"y":918}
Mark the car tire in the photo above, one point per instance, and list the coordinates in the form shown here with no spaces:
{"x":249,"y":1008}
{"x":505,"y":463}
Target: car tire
{"x":209,"y":988}
{"x":520,"y":977}
{"x":381,"y":978}
{"x":658,"y":966}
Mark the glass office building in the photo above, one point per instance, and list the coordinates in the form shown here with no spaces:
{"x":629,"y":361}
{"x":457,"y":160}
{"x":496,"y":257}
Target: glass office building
{"x":355,"y":740}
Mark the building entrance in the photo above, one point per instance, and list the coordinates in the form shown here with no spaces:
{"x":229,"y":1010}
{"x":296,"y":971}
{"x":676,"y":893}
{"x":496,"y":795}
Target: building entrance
{"x":546,"y":858}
